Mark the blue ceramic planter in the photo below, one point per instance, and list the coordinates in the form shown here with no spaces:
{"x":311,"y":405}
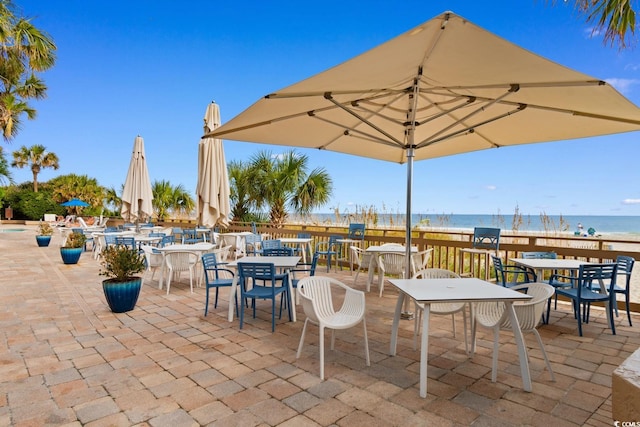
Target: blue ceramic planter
{"x":70,"y":255}
{"x":122,"y":296}
{"x":43,"y":240}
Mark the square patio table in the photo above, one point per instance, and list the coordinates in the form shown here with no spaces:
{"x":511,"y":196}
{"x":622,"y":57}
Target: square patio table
{"x":541,"y":264}
{"x":304,"y":243}
{"x":428,"y":291}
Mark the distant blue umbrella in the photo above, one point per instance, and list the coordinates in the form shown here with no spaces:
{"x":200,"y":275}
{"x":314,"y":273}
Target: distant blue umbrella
{"x":74,"y":203}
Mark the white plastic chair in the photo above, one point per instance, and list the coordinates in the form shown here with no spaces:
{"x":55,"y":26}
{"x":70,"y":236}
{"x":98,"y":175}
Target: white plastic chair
{"x":153,"y":260}
{"x":178,"y":262}
{"x":421,"y":259}
{"x":442,"y":308}
{"x":315,"y":293}
{"x":391,"y":264}
{"x":361,"y":259}
{"x":493,"y":315}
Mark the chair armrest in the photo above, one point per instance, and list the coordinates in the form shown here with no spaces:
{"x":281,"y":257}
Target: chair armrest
{"x":562,"y":279}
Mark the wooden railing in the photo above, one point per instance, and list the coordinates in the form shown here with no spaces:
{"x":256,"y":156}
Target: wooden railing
{"x":446,"y":244}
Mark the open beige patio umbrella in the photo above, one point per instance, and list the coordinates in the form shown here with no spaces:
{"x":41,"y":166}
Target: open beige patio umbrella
{"x":213,"y":181}
{"x":137,"y":196}
{"x":442,"y":88}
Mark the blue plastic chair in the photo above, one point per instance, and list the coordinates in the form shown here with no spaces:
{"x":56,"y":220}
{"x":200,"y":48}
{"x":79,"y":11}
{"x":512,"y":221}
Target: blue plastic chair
{"x":582,"y":294}
{"x":486,"y":242}
{"x":176,"y":232}
{"x":297,"y":250}
{"x":625,"y":267}
{"x":213,"y":279}
{"x":512,"y":275}
{"x":271,"y":244}
{"x":190,"y":236}
{"x":129,"y":242}
{"x":356,"y":231}
{"x":253,"y":244}
{"x":309,"y":269}
{"x":263,"y":286}
{"x":161,"y":235}
{"x":328,"y":249}
{"x":281,"y":251}
{"x":167,"y":240}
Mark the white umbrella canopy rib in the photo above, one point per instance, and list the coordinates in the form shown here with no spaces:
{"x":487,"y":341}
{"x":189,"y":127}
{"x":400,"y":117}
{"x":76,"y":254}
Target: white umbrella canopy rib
{"x":137,"y":195}
{"x":213,"y":182}
{"x":443,"y":88}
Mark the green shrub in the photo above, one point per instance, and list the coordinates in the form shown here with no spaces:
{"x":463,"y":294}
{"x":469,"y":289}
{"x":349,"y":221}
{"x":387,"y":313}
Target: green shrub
{"x":44,"y":229}
{"x":120,"y":262}
{"x":75,"y":240}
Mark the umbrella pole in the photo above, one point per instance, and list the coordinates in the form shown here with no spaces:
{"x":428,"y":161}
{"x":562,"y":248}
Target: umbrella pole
{"x":410,"y":150}
{"x":406,"y":312}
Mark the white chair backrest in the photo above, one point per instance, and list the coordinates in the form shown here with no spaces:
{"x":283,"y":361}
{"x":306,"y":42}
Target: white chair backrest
{"x":154,"y":259}
{"x":360,"y":256}
{"x":435,"y":273}
{"x":317,"y":302}
{"x":392,"y":262}
{"x":391,"y":245}
{"x":529,"y":313}
{"x":181,"y":260}
{"x":420,"y":259}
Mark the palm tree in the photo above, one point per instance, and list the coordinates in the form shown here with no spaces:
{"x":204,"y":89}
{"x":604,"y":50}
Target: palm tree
{"x":67,"y":187}
{"x":615,"y":17}
{"x":167,"y":199}
{"x":112,"y":198}
{"x":240,"y":192}
{"x":5,"y":173}
{"x":24,"y":50}
{"x":37,"y":157}
{"x":282,"y":181}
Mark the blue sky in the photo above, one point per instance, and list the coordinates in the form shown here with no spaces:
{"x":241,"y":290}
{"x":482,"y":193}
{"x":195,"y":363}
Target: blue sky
{"x":150,"y":68}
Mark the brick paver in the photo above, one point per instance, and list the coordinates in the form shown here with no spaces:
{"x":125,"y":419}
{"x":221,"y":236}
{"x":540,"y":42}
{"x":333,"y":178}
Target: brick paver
{"x":65,"y":359}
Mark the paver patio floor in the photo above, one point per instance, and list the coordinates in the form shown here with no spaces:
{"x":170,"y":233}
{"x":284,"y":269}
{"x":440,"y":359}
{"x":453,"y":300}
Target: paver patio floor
{"x":65,"y":359}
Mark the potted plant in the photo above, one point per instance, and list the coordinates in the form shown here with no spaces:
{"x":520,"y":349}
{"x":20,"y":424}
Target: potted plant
{"x":122,"y":288}
{"x":73,"y":247}
{"x":44,"y":234}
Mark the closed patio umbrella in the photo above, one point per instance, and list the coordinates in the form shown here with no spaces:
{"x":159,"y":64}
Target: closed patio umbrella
{"x":213,"y":181}
{"x":442,"y":88}
{"x":137,"y":196}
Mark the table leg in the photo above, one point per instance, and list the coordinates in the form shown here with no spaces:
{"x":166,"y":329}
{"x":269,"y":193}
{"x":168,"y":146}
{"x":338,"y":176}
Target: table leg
{"x":161,"y":272}
{"x":522,"y":348}
{"x":424,"y":350}
{"x":372,"y":266}
{"x":232,"y":297}
{"x":303,"y":249}
{"x":291,"y":297}
{"x":396,"y":323}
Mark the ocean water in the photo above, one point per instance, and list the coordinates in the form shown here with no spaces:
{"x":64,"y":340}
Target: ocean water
{"x":569,"y":223}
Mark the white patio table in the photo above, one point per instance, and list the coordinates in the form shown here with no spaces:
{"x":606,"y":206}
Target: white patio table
{"x":236,"y":240}
{"x":541,"y":264}
{"x":283,"y":262}
{"x":304,"y":243}
{"x":428,"y":291}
